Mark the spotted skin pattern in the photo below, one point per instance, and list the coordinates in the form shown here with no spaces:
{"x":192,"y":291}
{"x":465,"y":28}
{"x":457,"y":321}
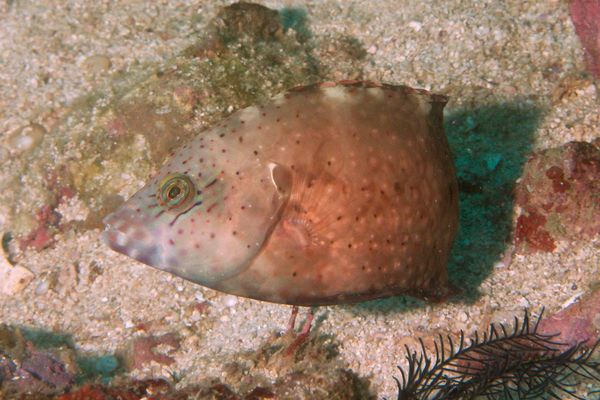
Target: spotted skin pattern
{"x":330,"y":193}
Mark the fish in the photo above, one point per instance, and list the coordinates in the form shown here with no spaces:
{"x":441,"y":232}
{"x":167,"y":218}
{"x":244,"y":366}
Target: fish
{"x":329,"y":193}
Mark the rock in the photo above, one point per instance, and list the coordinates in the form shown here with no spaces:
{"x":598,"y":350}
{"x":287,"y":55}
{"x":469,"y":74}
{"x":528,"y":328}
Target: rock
{"x":558,"y":197}
{"x":247,"y":19}
{"x":43,"y":367}
{"x":24,"y":369}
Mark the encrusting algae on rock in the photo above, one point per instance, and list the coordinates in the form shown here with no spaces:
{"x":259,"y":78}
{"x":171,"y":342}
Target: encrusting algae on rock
{"x":327,"y":194}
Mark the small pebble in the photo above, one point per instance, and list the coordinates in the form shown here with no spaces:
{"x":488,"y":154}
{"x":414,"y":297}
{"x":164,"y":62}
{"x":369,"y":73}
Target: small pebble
{"x":199,"y":296}
{"x":524,"y":303}
{"x":230,"y":301}
{"x":42,"y":288}
{"x":26,"y":138}
{"x":415,"y":25}
{"x":590,"y":90}
{"x":13,"y":279}
{"x":97,"y":64}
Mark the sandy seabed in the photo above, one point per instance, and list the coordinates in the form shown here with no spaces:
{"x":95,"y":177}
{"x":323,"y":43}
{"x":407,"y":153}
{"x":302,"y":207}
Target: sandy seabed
{"x":473,"y":51}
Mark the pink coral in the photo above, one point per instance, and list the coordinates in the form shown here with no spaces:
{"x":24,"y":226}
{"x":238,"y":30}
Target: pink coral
{"x":577,"y":323}
{"x":585,"y":15}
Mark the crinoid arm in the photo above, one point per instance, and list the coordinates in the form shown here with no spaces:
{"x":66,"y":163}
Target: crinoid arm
{"x":521,"y":363}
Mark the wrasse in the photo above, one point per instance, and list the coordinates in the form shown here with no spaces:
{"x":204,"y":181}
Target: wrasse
{"x":329,"y":193}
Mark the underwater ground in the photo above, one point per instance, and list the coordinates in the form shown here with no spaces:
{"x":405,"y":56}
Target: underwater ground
{"x":94,"y":95}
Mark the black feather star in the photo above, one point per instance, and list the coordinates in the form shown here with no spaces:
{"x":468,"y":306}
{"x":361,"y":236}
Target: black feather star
{"x":516,"y":364}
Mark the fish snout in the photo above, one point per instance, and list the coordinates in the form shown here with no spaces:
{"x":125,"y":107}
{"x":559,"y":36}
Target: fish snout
{"x":129,"y":235}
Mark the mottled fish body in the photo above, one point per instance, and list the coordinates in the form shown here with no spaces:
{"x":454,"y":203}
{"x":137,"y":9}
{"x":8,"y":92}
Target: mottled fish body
{"x":330,"y":193}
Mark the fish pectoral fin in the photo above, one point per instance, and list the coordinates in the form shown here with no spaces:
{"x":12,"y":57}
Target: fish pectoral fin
{"x":299,"y":231}
{"x":281,"y":177}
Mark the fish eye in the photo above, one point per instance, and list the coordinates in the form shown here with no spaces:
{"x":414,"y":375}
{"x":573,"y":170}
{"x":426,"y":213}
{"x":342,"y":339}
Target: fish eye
{"x":175,"y":191}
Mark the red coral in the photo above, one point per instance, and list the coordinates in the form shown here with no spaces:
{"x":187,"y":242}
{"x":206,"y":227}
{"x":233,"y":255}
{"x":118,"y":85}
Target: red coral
{"x":559,"y":184}
{"x":558,"y":194}
{"x":585,"y":15}
{"x":58,"y":184}
{"x":41,"y":236}
{"x":143,"y":350}
{"x":530,"y":230}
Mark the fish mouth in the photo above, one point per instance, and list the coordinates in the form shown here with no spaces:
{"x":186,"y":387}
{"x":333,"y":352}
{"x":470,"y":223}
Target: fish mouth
{"x":128,"y":236}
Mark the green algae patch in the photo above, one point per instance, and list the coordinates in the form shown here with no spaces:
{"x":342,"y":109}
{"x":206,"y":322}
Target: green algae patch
{"x":114,"y":138}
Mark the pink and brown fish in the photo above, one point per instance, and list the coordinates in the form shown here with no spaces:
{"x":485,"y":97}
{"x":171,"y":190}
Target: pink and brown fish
{"x":329,"y":193}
